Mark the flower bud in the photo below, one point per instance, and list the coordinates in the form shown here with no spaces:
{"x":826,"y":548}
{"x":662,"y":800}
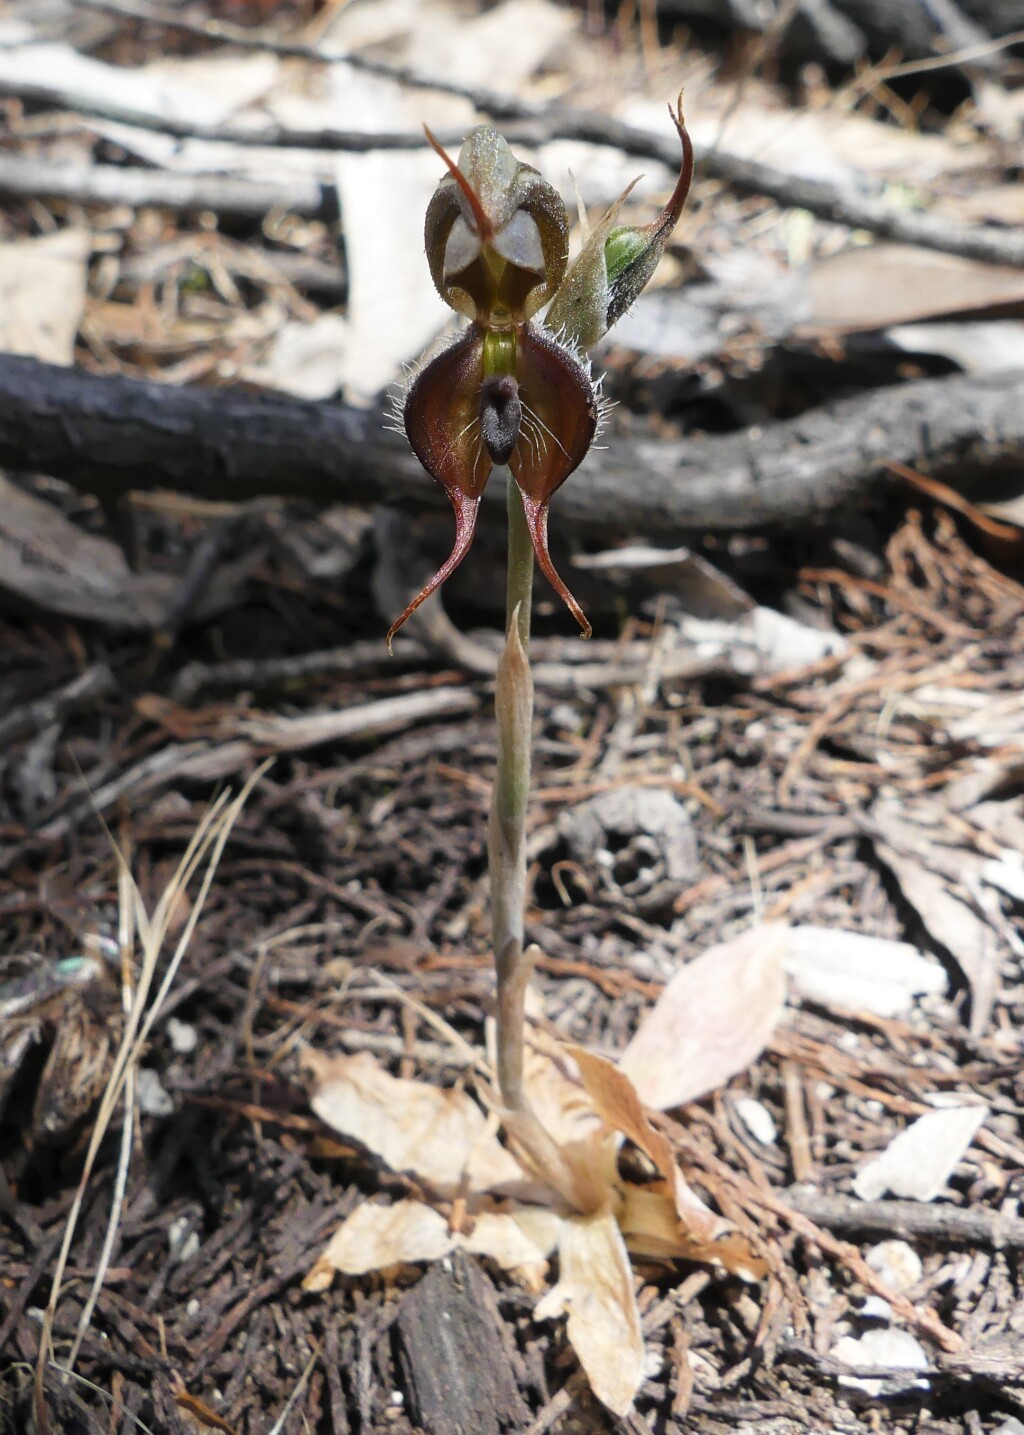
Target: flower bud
{"x":617,"y":261}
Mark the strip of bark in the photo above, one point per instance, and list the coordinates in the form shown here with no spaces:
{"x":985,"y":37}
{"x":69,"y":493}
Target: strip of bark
{"x":35,"y":177}
{"x":113,"y":435}
{"x":910,"y":1220}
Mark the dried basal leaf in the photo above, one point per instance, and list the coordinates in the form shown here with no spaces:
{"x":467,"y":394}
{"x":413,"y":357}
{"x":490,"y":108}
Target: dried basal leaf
{"x":519,"y":1239}
{"x":595,"y":1288}
{"x":438,"y":1136}
{"x":712,"y":1020}
{"x":586,"y":1144}
{"x":375,"y":1238}
{"x":664,"y":1219}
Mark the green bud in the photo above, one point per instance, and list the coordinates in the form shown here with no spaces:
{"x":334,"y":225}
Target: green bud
{"x":617,"y":261}
{"x":621,"y":249}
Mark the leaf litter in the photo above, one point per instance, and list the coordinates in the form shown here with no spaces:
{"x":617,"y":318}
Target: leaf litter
{"x":444,"y":1142}
{"x":923,"y":699}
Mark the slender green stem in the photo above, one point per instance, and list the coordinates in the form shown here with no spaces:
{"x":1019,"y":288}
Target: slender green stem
{"x":507,"y":832}
{"x":519,"y":588}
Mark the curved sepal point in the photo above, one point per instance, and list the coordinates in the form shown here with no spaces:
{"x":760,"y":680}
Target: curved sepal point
{"x":466,"y":510}
{"x":537,"y":522}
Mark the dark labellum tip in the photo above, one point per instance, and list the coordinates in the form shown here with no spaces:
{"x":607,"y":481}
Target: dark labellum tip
{"x":501,"y":414}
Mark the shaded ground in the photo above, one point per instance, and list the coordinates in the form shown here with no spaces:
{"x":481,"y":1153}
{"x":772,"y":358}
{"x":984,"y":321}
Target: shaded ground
{"x":355,"y":874}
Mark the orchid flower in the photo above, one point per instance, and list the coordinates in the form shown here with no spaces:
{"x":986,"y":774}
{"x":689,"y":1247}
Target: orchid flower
{"x":509,"y":390}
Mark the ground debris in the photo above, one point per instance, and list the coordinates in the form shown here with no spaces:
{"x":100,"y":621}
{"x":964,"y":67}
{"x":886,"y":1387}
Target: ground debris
{"x":813,"y":733}
{"x":453,"y":1349}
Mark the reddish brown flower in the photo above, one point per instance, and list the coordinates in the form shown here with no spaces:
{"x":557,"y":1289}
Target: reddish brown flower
{"x":509,"y":390}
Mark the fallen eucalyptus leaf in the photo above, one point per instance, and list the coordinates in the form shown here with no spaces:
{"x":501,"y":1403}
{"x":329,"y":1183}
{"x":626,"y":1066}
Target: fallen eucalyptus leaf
{"x":712,"y":1020}
{"x":919,"y":1161}
{"x":954,"y":925}
{"x":858,"y":973}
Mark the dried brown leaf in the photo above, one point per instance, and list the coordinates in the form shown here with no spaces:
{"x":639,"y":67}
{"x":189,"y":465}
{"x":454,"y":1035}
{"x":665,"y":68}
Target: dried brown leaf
{"x":439,"y":1136}
{"x":584,"y":1142}
{"x":712,"y":1020}
{"x":666,"y":1219}
{"x":374,"y":1238}
{"x":595,"y":1287}
{"x":519,"y":1239}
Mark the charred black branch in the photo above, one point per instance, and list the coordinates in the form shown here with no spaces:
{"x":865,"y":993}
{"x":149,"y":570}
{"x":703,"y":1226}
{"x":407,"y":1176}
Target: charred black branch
{"x":112,"y":435}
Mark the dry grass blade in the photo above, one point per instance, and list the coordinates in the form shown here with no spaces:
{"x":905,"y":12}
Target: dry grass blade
{"x":126,"y":943}
{"x":296,"y":1394}
{"x":207,"y":845}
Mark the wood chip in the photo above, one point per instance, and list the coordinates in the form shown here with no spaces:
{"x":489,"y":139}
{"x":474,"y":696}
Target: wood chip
{"x":919,"y":1161}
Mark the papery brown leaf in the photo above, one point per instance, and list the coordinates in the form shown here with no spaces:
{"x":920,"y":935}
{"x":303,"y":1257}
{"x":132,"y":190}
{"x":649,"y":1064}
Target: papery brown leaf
{"x":712,"y":1020}
{"x":586,"y":1143}
{"x":667,"y":1218}
{"x":616,"y":1100}
{"x":651,"y":1226}
{"x":438,"y":1136}
{"x":375,"y":1238}
{"x":595,"y":1287}
{"x":519,"y":1239}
